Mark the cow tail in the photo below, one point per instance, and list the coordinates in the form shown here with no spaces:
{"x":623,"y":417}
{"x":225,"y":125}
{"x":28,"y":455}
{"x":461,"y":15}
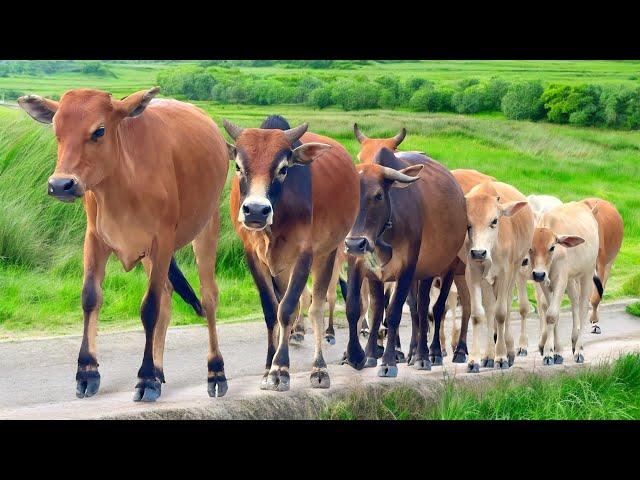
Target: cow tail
{"x":343,"y":287}
{"x":598,"y":283}
{"x":181,"y":287}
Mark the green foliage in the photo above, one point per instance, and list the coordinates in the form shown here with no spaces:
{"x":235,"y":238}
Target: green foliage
{"x":432,"y":99}
{"x":321,"y":97}
{"x":634,"y":309}
{"x":578,"y":105}
{"x":522,"y":101}
{"x":96,"y":68}
{"x":354,"y":95}
{"x":472,"y":99}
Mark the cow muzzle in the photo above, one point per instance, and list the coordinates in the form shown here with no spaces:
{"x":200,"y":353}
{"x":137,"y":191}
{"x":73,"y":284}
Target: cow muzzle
{"x":65,"y":189}
{"x":538,"y":276}
{"x":358,"y":245}
{"x":478,"y":255}
{"x":256,"y":214}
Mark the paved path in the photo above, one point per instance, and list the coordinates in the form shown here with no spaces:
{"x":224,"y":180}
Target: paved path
{"x":37,"y":377}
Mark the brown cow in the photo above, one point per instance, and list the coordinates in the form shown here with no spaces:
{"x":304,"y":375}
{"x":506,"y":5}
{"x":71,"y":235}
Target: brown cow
{"x":150,"y":174}
{"x":610,"y":232}
{"x":411,"y":225}
{"x":291,"y":215}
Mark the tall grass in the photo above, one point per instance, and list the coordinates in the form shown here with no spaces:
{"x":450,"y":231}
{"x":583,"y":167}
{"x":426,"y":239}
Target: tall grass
{"x":604,"y":392}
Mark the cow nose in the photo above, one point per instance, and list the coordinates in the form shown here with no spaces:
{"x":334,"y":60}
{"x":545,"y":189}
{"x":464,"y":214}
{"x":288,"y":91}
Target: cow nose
{"x":357,"y":245}
{"x":256,"y":213}
{"x":477,"y":254}
{"x":538,"y":276}
{"x":63,"y":188}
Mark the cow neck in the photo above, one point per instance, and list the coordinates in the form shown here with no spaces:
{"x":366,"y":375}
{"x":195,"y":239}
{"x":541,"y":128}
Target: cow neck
{"x":384,"y":250}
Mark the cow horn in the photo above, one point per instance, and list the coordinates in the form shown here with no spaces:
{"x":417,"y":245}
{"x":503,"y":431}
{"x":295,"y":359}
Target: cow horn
{"x":294,"y":134}
{"x":233,"y":130}
{"x":400,"y":137}
{"x":396,"y":176}
{"x":361,"y":137}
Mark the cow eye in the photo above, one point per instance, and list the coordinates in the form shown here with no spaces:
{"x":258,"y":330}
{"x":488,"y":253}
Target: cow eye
{"x":494,"y":222}
{"x":553,"y":247}
{"x":238,"y":168}
{"x":98,"y":133}
{"x":378,"y":196}
{"x":283,"y":170}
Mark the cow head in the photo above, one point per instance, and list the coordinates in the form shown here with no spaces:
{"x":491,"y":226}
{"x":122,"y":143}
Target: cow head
{"x":484,"y":212}
{"x":543,"y":251}
{"x":369,"y":147}
{"x":376,"y":180}
{"x":263,"y":158}
{"x":85,"y":123}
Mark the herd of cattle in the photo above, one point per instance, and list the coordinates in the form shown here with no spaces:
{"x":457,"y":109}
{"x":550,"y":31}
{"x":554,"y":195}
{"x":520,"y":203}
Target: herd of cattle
{"x":151,"y":172}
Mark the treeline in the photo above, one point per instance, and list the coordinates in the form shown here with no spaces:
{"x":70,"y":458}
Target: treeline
{"x":315,"y":64}
{"x":49,"y":67}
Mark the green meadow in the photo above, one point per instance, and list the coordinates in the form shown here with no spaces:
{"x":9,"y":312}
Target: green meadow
{"x":41,"y":239}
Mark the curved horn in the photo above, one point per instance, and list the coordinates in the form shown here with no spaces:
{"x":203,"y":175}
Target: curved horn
{"x":233,"y":130}
{"x":294,"y":134}
{"x":361,"y":137}
{"x":400,"y":137}
{"x":397,"y":176}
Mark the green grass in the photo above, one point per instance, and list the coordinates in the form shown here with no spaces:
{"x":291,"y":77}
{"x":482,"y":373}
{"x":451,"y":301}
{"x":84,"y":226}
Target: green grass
{"x":41,"y":239}
{"x":603,"y":392}
{"x":634,"y":309}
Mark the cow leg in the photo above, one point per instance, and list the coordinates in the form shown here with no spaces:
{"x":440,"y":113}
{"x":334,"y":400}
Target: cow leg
{"x":388,"y":367}
{"x":438,"y":313}
{"x":148,"y":388}
{"x":376,"y":300}
{"x":299,"y":330}
{"x":354,"y":355}
{"x":585,"y":288}
{"x":603,"y":272}
{"x":321,"y":271}
{"x":460,"y":351}
{"x":552,"y":314}
{"x":473,"y":277}
{"x":364,"y":309}
{"x":504,"y":288}
{"x":415,"y":326}
{"x":523,"y":304}
{"x":264,"y":284}
{"x":452,"y":304}
{"x":412,"y":301}
{"x":443,"y":335}
{"x":205,"y":250}
{"x":543,"y":304}
{"x":421,"y":358}
{"x":278,"y":378}
{"x":330,"y":333}
{"x":96,"y":254}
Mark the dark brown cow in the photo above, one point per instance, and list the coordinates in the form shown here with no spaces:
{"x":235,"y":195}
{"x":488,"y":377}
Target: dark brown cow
{"x":411,"y":226}
{"x":150,"y":174}
{"x":291,"y":215}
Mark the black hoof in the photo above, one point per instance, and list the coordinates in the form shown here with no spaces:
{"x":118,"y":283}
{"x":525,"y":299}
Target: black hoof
{"x":365,"y":332}
{"x":330,"y":338}
{"x":296,"y":337}
{"x":502,"y":364}
{"x":557,"y":359}
{"x":436,"y":360}
{"x":217,"y":386}
{"x":371,"y":362}
{"x":596,"y":329}
{"x":400,"y":358}
{"x":511,"y":358}
{"x":379,"y":351}
{"x":388,"y":371}
{"x":486,"y":363}
{"x":579,"y":358}
{"x":422,"y":364}
{"x":356,"y":360}
{"x":87,"y":384}
{"x":522,"y":352}
{"x":147,"y":391}
{"x":459,"y":357}
{"x":473,"y":367}
{"x":547,"y":361}
{"x":320,"y":379}
{"x":278,"y":381}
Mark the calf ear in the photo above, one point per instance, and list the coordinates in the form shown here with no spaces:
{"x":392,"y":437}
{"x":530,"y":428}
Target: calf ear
{"x":39,"y":108}
{"x":511,"y":208}
{"x":231,"y":149}
{"x":569,"y":240}
{"x":308,"y":152}
{"x":134,"y":104}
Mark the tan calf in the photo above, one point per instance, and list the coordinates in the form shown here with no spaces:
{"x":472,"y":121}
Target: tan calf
{"x":499,"y":234}
{"x":563,"y":257}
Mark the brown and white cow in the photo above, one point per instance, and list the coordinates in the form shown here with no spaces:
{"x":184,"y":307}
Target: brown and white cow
{"x":563,"y":256}
{"x":150,"y":174}
{"x":610,"y":233}
{"x":499,"y":235}
{"x":410,"y":227}
{"x":292,"y":204}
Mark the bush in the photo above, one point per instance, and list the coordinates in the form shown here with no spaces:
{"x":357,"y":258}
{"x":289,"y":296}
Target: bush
{"x":355,"y":95}
{"x":496,"y":89}
{"x":522,"y":101}
{"x":470,"y":100}
{"x":576,"y":105}
{"x":321,"y":97}
{"x":430,"y":99}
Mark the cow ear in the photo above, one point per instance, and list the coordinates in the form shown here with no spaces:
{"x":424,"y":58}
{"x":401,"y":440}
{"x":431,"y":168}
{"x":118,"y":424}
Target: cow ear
{"x":511,"y":208}
{"x":39,"y":108}
{"x":231,"y":150}
{"x":134,"y":104}
{"x":569,"y":240}
{"x":308,"y":152}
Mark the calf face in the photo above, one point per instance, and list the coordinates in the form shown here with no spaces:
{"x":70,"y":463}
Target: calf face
{"x":375,"y":203}
{"x":85,"y":124}
{"x":484,"y":212}
{"x":369,"y":147}
{"x":543,"y":251}
{"x":262,"y":160}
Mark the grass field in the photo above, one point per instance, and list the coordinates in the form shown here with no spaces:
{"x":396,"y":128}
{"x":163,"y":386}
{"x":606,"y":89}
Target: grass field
{"x":41,"y":239}
{"x":603,"y":392}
